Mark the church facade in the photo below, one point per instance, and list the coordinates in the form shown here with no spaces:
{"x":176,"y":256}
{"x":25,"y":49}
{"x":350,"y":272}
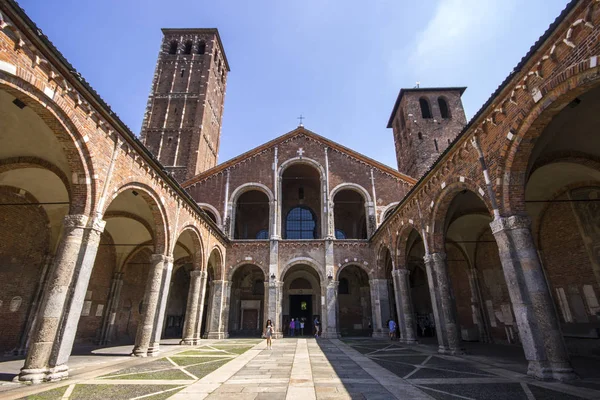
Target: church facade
{"x":488,"y":230}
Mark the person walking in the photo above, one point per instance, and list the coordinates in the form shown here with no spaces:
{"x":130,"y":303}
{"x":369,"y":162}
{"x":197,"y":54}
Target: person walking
{"x":302,"y":327}
{"x":292,"y":327}
{"x":392,"y":328}
{"x":317,"y":326}
{"x":269,"y":334}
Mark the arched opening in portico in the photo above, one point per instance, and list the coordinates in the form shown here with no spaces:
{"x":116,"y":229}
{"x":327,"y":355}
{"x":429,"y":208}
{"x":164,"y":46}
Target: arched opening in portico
{"x":354,"y":302}
{"x":301,"y":299}
{"x":350,"y":215}
{"x":247,"y":301}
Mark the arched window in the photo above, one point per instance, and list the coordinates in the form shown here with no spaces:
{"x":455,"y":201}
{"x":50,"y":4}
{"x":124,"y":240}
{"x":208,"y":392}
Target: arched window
{"x":349,"y":214}
{"x":262,"y":234}
{"x":188,"y":47}
{"x":344,"y":287}
{"x":251,"y":215}
{"x":425,"y":109}
{"x":339,"y":234}
{"x":444,"y":110}
{"x":173,"y":47}
{"x":402,"y":120}
{"x":300,"y":224}
{"x":201,"y":47}
{"x":210,"y":214}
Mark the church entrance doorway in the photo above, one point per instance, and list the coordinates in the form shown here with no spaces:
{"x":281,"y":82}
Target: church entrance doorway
{"x":301,"y":299}
{"x":247,"y":301}
{"x":301,"y":310}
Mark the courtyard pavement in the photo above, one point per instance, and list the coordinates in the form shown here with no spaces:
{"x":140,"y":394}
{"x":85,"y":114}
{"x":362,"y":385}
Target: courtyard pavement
{"x":305,"y":369}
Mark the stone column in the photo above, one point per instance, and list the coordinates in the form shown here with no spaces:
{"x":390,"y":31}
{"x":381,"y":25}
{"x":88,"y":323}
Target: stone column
{"x":273,"y":306}
{"x":225,"y":308}
{"x":151,"y":305}
{"x":331,"y":299}
{"x":444,"y":306}
{"x":112,"y":308}
{"x":200,"y":313}
{"x":381,"y":306}
{"x":58,"y":315}
{"x":404,"y":305}
{"x":476,"y":308}
{"x":539,"y":328}
{"x":190,"y":332}
{"x":215,"y":324}
{"x":161,"y":310}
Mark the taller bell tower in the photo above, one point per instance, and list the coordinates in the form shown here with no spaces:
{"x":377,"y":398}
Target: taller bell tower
{"x":182,"y":123}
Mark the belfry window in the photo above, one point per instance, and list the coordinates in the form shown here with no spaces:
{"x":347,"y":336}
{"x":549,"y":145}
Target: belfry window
{"x":188,"y":47}
{"x":300,"y":224}
{"x":444,"y":110}
{"x":201,"y":48}
{"x":173,"y":47}
{"x":425,"y":108}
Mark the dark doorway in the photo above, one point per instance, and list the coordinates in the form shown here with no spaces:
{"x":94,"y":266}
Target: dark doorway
{"x":301,"y":308}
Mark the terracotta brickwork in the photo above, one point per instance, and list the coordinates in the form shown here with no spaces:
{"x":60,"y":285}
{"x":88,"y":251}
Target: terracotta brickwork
{"x":182,"y":124}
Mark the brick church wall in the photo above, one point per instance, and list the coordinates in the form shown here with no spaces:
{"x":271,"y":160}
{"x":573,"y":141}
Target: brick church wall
{"x":23,"y":247}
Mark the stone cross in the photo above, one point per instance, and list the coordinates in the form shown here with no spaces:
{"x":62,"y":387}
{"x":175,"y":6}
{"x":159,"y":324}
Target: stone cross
{"x":301,"y":118}
{"x":300,"y":152}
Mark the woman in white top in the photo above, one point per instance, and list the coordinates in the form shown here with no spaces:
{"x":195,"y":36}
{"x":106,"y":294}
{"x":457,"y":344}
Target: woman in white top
{"x":269,"y":333}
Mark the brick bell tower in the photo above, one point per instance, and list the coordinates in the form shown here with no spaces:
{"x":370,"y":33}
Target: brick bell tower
{"x":425,"y":121}
{"x":182,"y":123}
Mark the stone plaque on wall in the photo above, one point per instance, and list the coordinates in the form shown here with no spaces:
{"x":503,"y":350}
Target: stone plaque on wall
{"x":87,"y":306}
{"x":99,"y":310}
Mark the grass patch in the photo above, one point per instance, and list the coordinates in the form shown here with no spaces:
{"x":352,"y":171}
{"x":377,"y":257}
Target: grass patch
{"x":147,"y":367}
{"x":163,"y":395}
{"x":235,"y":350}
{"x":49,"y":394}
{"x":204,"y":369}
{"x":202,"y":352}
{"x":184,"y":361}
{"x":103,"y":392}
{"x":170,"y":374}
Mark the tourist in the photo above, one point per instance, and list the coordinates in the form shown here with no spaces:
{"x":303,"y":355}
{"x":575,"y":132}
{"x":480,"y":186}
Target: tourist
{"x":392,"y":328}
{"x":317,"y":326}
{"x":302,"y":326}
{"x":292,"y":327}
{"x":269,"y":334}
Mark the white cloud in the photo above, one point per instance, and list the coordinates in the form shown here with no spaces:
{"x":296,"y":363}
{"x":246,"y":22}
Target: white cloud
{"x":457,"y":29}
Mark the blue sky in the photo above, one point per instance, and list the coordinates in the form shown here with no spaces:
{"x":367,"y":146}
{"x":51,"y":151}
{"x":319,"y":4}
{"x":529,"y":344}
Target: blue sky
{"x":339,"y":63}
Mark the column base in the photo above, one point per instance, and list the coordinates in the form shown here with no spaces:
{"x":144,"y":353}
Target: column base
{"x":57,"y":373}
{"x":154,"y":350}
{"x":449,"y":351}
{"x":139,"y":352}
{"x":190,"y":342}
{"x":217,"y":335}
{"x":409,"y":341}
{"x":547,"y":371}
{"x":31,"y":375}
{"x":380,"y":335}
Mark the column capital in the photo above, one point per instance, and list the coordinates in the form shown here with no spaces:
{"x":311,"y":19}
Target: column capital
{"x":74,"y":221}
{"x":400,"y":271}
{"x":333,"y":283}
{"x":98,"y":225}
{"x":509,"y":223}
{"x":196,"y":273}
{"x":118,"y":276}
{"x":435,"y":257}
{"x":157,"y":258}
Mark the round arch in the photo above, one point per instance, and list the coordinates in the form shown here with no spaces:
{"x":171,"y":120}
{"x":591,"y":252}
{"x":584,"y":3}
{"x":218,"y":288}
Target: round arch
{"x":301,"y":160}
{"x":402,"y":244}
{"x":441,"y":207}
{"x":70,"y":139}
{"x":215,"y":261}
{"x":539,"y":117}
{"x":198,"y":250}
{"x":303,"y":261}
{"x":213,"y":210}
{"x":352,"y":186}
{"x":158,"y":212}
{"x":236,"y":267}
{"x":369,"y":272}
{"x":239,"y":191}
{"x":389,"y":208}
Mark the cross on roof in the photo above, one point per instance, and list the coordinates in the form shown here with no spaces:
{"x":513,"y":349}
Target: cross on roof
{"x":300,"y":152}
{"x":301,"y":118}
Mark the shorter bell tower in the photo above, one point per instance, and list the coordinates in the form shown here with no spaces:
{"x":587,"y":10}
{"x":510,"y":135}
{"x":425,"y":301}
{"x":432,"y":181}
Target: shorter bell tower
{"x":424,"y":122}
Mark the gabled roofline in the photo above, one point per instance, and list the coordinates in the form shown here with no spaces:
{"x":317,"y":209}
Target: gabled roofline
{"x":283,"y":138}
{"x":460,"y":89}
{"x":188,"y":31}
